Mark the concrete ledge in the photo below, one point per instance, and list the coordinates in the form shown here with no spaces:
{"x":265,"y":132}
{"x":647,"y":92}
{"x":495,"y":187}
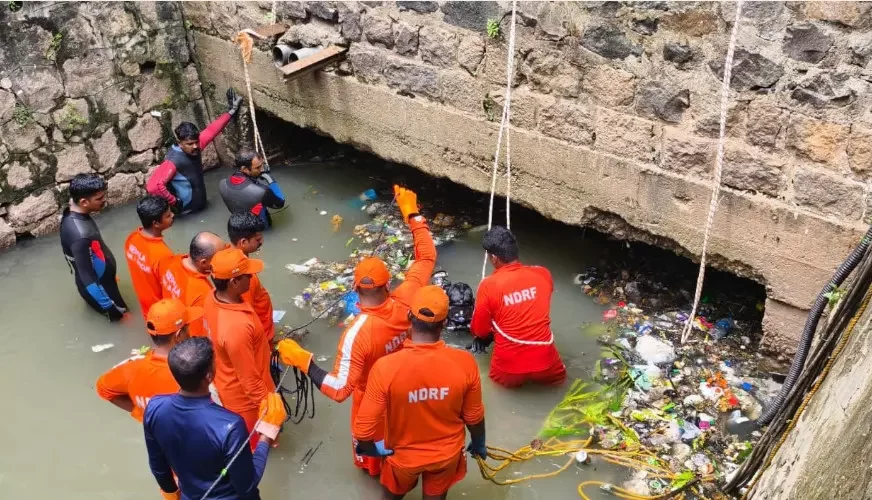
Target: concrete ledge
{"x":792,"y":252}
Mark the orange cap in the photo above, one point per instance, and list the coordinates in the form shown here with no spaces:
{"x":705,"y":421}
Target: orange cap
{"x":430,"y":304}
{"x":374,"y":269}
{"x":169,"y":316}
{"x":232,"y":262}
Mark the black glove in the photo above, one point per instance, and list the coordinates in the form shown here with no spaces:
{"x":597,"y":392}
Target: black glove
{"x":115,"y":313}
{"x":234,"y":100}
{"x":480,"y":345}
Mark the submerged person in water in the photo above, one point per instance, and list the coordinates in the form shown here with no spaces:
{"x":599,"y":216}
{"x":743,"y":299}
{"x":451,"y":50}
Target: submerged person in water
{"x":89,"y":258}
{"x":179,"y":179}
{"x":251,"y":188}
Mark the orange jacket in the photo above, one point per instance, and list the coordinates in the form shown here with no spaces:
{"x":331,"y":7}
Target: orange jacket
{"x":242,"y":352}
{"x":259,"y":299}
{"x":428,"y":392}
{"x":191,"y":287}
{"x":139,"y":377}
{"x":515,"y":304}
{"x":380,"y":330}
{"x":143,"y":253}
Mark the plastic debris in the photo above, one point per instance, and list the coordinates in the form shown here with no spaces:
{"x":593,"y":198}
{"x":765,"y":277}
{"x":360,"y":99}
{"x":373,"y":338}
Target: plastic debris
{"x":654,"y":351}
{"x":101,"y":347}
{"x":582,"y":457}
{"x":330,"y":292}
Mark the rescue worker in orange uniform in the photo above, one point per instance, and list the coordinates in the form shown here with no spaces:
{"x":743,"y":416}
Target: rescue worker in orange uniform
{"x":186,"y":277}
{"x":246,"y":233}
{"x":242,"y":352}
{"x":145,"y":247}
{"x":429,"y":392}
{"x":130,"y":384}
{"x":381,"y":327}
{"x":512,"y":309}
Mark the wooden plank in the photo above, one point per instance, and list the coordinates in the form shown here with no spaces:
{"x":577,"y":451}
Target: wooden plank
{"x":270,"y":30}
{"x":314,"y":62}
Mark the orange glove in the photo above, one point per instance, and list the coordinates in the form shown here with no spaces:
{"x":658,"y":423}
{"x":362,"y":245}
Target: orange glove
{"x":176,"y":495}
{"x":273,"y":415}
{"x":294,"y":355}
{"x":407,"y":200}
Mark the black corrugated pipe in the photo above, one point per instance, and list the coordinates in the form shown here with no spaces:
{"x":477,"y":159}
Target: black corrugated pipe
{"x":811,"y":324}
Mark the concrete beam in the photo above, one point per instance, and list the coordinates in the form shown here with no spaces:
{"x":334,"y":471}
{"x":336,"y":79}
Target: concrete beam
{"x":791,"y":251}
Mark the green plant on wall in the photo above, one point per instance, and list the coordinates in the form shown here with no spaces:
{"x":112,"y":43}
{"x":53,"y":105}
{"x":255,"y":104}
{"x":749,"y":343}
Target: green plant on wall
{"x":15,"y":6}
{"x":493,"y":28}
{"x":489,"y":106}
{"x":71,"y":120}
{"x":22,"y":115}
{"x":51,"y":53}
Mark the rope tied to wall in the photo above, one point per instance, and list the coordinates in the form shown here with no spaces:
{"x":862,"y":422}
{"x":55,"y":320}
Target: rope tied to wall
{"x":505,"y":124}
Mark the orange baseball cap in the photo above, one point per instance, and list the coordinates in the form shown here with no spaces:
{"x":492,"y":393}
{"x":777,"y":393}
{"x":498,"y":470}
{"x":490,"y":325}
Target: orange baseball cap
{"x":374,"y":269}
{"x":169,"y":316}
{"x":430,"y":304}
{"x":232,"y":262}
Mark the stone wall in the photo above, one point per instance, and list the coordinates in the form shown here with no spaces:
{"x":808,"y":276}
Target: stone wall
{"x":87,"y":87}
{"x":615,"y":110}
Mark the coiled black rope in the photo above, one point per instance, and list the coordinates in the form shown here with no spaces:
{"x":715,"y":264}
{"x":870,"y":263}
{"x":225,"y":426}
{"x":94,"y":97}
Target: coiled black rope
{"x":303,"y":392}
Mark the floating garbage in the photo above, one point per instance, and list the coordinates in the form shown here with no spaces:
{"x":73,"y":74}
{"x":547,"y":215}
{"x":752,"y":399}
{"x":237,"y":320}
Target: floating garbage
{"x":693,"y":404}
{"x":330,"y":293}
{"x":101,"y":347}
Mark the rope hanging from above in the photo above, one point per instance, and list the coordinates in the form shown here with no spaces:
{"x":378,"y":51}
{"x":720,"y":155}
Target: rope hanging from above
{"x":719,"y":165}
{"x":246,"y":44}
{"x":504,"y":127}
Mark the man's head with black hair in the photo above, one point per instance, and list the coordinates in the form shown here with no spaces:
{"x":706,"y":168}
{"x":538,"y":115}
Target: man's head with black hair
{"x":501,"y":246}
{"x":188,"y":136}
{"x":426,"y":328}
{"x":249,"y":162}
{"x":88,"y":193}
{"x":245,"y":231}
{"x":192,"y":363}
{"x":203,"y":246}
{"x":154,"y":214}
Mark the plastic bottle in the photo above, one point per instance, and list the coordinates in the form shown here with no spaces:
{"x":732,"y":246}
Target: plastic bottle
{"x":722,"y":328}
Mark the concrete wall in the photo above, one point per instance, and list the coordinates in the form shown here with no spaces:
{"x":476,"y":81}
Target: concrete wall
{"x":77,"y":84}
{"x":829,"y":454}
{"x":615,"y":115}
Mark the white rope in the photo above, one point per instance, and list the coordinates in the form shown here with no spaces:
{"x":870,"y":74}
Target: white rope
{"x":719,"y":163}
{"x":505,"y":123}
{"x":258,"y":142}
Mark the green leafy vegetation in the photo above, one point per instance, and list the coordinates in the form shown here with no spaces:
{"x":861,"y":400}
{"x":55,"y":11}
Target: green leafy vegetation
{"x":15,"y":6}
{"x":51,"y":53}
{"x":834,"y":296}
{"x":489,"y":106}
{"x":493,"y":28}
{"x":71,"y":120}
{"x":22,"y":115}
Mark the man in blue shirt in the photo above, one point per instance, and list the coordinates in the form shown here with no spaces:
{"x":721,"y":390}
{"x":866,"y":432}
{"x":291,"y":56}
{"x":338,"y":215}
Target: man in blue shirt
{"x":187,"y":434}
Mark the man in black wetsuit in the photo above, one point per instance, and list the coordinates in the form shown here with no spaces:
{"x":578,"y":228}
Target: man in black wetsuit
{"x":251,"y":188}
{"x":88,"y":256}
{"x":179,"y":178}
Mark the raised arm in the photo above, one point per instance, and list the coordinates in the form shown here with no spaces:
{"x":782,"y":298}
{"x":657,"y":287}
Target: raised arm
{"x":425,"y":261}
{"x":213,"y":129}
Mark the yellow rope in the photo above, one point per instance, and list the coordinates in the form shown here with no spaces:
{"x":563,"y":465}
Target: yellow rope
{"x":841,"y":345}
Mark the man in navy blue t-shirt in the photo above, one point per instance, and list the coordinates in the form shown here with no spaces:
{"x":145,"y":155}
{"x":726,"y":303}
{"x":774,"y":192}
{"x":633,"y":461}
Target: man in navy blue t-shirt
{"x":189,"y":435}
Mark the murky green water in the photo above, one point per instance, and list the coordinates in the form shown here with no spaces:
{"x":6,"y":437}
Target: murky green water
{"x":61,"y":441}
